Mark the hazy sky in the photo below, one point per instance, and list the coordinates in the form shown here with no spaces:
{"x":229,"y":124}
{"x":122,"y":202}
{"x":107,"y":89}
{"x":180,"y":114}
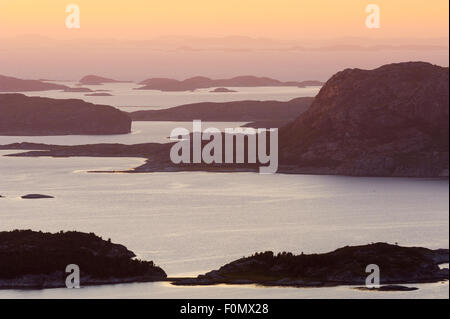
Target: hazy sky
{"x":289,"y":39}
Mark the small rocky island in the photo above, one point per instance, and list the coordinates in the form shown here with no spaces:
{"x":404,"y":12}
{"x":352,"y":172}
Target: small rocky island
{"x":77,"y":90}
{"x":36,"y":196}
{"x":97,"y":80}
{"x":99,"y":94}
{"x":222,"y":90}
{"x":30,"y":259}
{"x":344,"y":266}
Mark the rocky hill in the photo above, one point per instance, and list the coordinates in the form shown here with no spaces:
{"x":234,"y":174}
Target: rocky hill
{"x":22,"y":115}
{"x":344,"y":266}
{"x":30,"y":259}
{"x":391,"y":121}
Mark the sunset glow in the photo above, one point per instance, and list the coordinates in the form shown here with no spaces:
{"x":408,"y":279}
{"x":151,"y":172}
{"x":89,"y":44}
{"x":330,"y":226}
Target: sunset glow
{"x":287,"y":39}
{"x":142,"y":19}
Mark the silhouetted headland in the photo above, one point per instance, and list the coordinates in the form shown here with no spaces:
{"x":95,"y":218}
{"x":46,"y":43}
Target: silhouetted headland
{"x":237,"y":111}
{"x":22,"y":115}
{"x":11,"y":84}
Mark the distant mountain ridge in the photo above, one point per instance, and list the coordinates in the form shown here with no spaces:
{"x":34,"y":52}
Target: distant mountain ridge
{"x":12,"y":84}
{"x":238,"y":111}
{"x":391,"y":121}
{"x":201,"y":82}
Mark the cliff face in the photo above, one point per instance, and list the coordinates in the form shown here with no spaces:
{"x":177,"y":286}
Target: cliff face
{"x":10,"y":84}
{"x":391,"y":121}
{"x":22,"y":115}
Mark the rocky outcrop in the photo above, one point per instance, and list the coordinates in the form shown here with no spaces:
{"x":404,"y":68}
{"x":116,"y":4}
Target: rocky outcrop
{"x":391,"y":121}
{"x":201,"y":82}
{"x":30,"y":259}
{"x":22,"y":115}
{"x":11,"y":84}
{"x":344,"y":266}
{"x":35,"y":196}
{"x":238,"y":111}
{"x":388,"y":288}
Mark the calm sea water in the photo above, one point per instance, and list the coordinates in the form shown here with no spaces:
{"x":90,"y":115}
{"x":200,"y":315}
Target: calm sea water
{"x":190,"y":223}
{"x":128,"y":99}
{"x":142,"y":132}
{"x":193,"y":222}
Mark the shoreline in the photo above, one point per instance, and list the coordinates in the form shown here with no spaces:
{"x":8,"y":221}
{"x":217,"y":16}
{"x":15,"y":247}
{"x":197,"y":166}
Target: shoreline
{"x":156,"y":161}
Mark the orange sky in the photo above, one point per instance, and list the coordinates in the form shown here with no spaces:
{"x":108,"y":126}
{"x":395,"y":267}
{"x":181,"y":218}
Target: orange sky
{"x":142,"y":19}
{"x":286,"y":39}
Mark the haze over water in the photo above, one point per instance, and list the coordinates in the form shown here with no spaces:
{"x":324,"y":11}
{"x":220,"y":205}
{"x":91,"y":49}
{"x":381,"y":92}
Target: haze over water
{"x":128,"y":99}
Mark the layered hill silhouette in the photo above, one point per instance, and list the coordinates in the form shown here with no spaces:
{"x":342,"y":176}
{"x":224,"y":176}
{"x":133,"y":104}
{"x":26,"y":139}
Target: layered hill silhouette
{"x":391,"y":121}
{"x":11,"y":84}
{"x":200,"y":82}
{"x":22,"y":115}
{"x":239,"y":111}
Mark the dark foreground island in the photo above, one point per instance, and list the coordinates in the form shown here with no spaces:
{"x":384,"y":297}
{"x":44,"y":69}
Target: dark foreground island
{"x":30,"y":259}
{"x":344,"y":266}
